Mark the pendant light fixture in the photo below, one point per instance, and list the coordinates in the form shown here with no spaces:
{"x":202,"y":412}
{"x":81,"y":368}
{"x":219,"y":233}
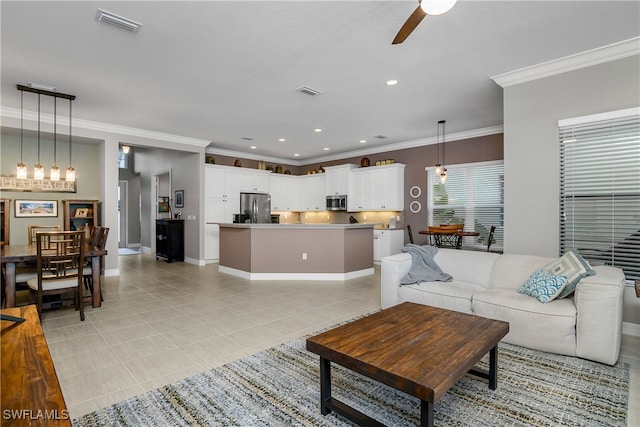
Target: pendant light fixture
{"x":54,"y":175}
{"x":71,"y":172}
{"x":38,"y":170}
{"x":21,"y":170}
{"x":440,"y":167}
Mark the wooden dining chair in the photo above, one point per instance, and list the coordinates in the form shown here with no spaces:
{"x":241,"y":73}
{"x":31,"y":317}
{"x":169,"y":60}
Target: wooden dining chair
{"x":60,"y":257}
{"x":33,"y":229}
{"x":490,"y":237}
{"x":410,"y":234}
{"x":99,"y":240}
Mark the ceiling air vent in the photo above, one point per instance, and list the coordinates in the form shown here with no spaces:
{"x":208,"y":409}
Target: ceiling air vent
{"x":381,"y":137}
{"x":307,"y":90}
{"x":247,"y":138}
{"x":118,"y":21}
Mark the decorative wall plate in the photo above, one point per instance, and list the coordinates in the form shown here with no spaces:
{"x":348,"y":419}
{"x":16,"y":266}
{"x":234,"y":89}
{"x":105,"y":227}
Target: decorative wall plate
{"x":415,"y":191}
{"x":415,"y":206}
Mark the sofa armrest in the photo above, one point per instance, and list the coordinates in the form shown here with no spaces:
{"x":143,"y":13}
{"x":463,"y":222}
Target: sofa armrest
{"x":599,"y":301}
{"x":394,"y":268}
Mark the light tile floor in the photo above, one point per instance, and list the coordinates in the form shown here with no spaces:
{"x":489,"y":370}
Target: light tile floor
{"x":160,"y":323}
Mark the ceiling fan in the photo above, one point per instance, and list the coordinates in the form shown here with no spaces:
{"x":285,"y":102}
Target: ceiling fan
{"x":425,"y":7}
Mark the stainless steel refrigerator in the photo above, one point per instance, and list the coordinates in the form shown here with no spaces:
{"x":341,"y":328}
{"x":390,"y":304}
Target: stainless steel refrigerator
{"x":257,"y":206}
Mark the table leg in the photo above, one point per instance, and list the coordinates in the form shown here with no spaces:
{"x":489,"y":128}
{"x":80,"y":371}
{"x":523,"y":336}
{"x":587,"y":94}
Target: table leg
{"x":325,"y":385}
{"x":95,"y":278}
{"x":493,"y":368}
{"x":426,"y":413}
{"x":10,"y":284}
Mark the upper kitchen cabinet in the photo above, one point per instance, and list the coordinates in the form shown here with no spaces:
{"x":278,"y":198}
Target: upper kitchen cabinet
{"x":285,"y":192}
{"x":377,"y":188}
{"x":338,"y":179}
{"x":312,"y":193}
{"x":229,"y":181}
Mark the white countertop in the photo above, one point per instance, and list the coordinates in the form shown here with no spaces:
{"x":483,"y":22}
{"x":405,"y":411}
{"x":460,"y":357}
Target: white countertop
{"x":305,"y":226}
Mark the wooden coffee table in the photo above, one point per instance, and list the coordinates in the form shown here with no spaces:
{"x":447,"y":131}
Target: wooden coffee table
{"x":414,"y":348}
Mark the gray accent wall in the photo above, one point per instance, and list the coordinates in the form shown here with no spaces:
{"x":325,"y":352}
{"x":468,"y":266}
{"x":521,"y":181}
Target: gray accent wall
{"x":531,"y":149}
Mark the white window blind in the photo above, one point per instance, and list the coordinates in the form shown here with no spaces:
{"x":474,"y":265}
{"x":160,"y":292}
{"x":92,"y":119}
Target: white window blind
{"x":473,"y":194}
{"x":600,"y":191}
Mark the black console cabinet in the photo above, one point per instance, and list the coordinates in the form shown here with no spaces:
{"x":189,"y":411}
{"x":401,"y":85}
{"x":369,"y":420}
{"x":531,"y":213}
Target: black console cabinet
{"x":170,"y":239}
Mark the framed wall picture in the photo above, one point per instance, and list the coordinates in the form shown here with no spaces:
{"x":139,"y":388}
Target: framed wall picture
{"x":81,"y":213}
{"x":163,"y":204}
{"x":36,"y":208}
{"x":179,"y":199}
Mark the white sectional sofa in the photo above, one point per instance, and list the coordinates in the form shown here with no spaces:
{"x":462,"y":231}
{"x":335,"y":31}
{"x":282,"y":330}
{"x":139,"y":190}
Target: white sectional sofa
{"x":586,"y":324}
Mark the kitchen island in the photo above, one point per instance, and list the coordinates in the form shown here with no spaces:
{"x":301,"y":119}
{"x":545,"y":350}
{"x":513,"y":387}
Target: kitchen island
{"x":296,"y":251}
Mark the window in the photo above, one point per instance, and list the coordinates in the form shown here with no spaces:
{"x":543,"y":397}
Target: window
{"x":600,"y":189}
{"x":123,"y":160}
{"x":473,"y":194}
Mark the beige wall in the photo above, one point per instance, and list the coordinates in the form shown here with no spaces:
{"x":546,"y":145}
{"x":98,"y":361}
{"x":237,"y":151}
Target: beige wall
{"x":86,"y":161}
{"x":532,"y":155}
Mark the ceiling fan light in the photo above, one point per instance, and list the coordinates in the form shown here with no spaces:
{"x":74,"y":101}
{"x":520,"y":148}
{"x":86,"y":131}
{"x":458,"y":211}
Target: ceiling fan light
{"x":437,"y":7}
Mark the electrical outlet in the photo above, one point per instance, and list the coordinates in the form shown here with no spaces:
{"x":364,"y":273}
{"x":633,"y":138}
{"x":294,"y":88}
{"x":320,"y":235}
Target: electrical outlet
{"x":304,"y":256}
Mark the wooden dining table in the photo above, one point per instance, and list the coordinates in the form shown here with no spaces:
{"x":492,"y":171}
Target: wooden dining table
{"x":11,"y":255}
{"x":447,"y":236}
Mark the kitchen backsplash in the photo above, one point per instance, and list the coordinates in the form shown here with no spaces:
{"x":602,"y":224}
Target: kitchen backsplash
{"x":373,"y":217}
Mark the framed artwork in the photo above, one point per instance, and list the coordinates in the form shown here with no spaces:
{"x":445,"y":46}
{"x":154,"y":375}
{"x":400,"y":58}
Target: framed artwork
{"x":163,"y":204}
{"x":179,"y":199}
{"x":81,"y":213}
{"x":36,"y":208}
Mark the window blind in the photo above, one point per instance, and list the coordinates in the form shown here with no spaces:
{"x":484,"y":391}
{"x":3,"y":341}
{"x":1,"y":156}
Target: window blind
{"x":600,"y":191}
{"x":472,"y":194}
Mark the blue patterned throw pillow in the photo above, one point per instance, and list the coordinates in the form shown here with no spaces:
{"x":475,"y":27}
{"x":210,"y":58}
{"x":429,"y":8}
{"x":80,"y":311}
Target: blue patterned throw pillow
{"x":543,"y":286}
{"x":572,"y":265}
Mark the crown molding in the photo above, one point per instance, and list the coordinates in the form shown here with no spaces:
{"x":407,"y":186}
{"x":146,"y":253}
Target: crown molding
{"x":577,"y":61}
{"x":63,"y":121}
{"x":476,"y":133}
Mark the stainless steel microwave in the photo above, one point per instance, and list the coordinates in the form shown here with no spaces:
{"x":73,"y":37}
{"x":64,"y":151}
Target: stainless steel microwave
{"x":337,"y":203}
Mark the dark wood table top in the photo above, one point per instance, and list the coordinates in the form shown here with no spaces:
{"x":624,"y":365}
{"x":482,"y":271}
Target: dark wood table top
{"x":27,"y":253}
{"x":415,"y":348}
{"x":30,"y":390}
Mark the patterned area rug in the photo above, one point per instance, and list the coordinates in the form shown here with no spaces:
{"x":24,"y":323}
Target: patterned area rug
{"x":280,"y":387}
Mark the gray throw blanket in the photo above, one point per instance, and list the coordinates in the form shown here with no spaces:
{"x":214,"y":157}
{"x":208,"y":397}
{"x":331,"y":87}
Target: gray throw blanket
{"x":423,"y":267}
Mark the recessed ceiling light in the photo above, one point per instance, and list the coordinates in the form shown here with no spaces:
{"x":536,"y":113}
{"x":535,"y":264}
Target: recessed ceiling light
{"x":253,"y":147}
{"x":391,"y":82}
{"x":363,"y":141}
{"x":326,"y":148}
{"x":317,"y":130}
{"x":282,"y":140}
{"x":297,"y":155}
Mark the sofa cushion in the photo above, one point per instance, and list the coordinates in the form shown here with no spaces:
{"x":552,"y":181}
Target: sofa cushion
{"x":510,"y":271}
{"x":454,"y":295}
{"x":467,"y":266}
{"x":547,"y":327}
{"x":543,"y":286}
{"x":572,"y":265}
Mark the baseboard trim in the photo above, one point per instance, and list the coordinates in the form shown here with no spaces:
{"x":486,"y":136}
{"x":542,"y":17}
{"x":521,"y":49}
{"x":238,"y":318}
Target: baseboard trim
{"x":632,"y":329}
{"x":112,"y":272}
{"x":193,"y":261}
{"x":296,"y":276}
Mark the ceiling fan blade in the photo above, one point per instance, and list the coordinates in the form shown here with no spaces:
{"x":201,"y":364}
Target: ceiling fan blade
{"x":410,"y":25}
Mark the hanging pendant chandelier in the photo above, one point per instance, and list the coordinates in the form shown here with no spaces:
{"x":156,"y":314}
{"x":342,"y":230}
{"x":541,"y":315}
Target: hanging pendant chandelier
{"x":441,"y":170}
{"x":21,"y":170}
{"x":38,"y":171}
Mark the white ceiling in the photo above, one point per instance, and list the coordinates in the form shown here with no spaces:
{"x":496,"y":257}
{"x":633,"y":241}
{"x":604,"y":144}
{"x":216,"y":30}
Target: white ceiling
{"x":223,"y":70}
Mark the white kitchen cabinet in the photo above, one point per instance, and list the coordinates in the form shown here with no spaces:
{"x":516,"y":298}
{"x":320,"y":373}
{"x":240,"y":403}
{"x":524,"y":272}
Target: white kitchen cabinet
{"x":239,"y":180}
{"x":338,"y":179}
{"x":211,"y":242}
{"x":377,"y":188}
{"x":387,"y":242}
{"x":312,"y":193}
{"x":221,"y":209}
{"x":284,"y":192}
